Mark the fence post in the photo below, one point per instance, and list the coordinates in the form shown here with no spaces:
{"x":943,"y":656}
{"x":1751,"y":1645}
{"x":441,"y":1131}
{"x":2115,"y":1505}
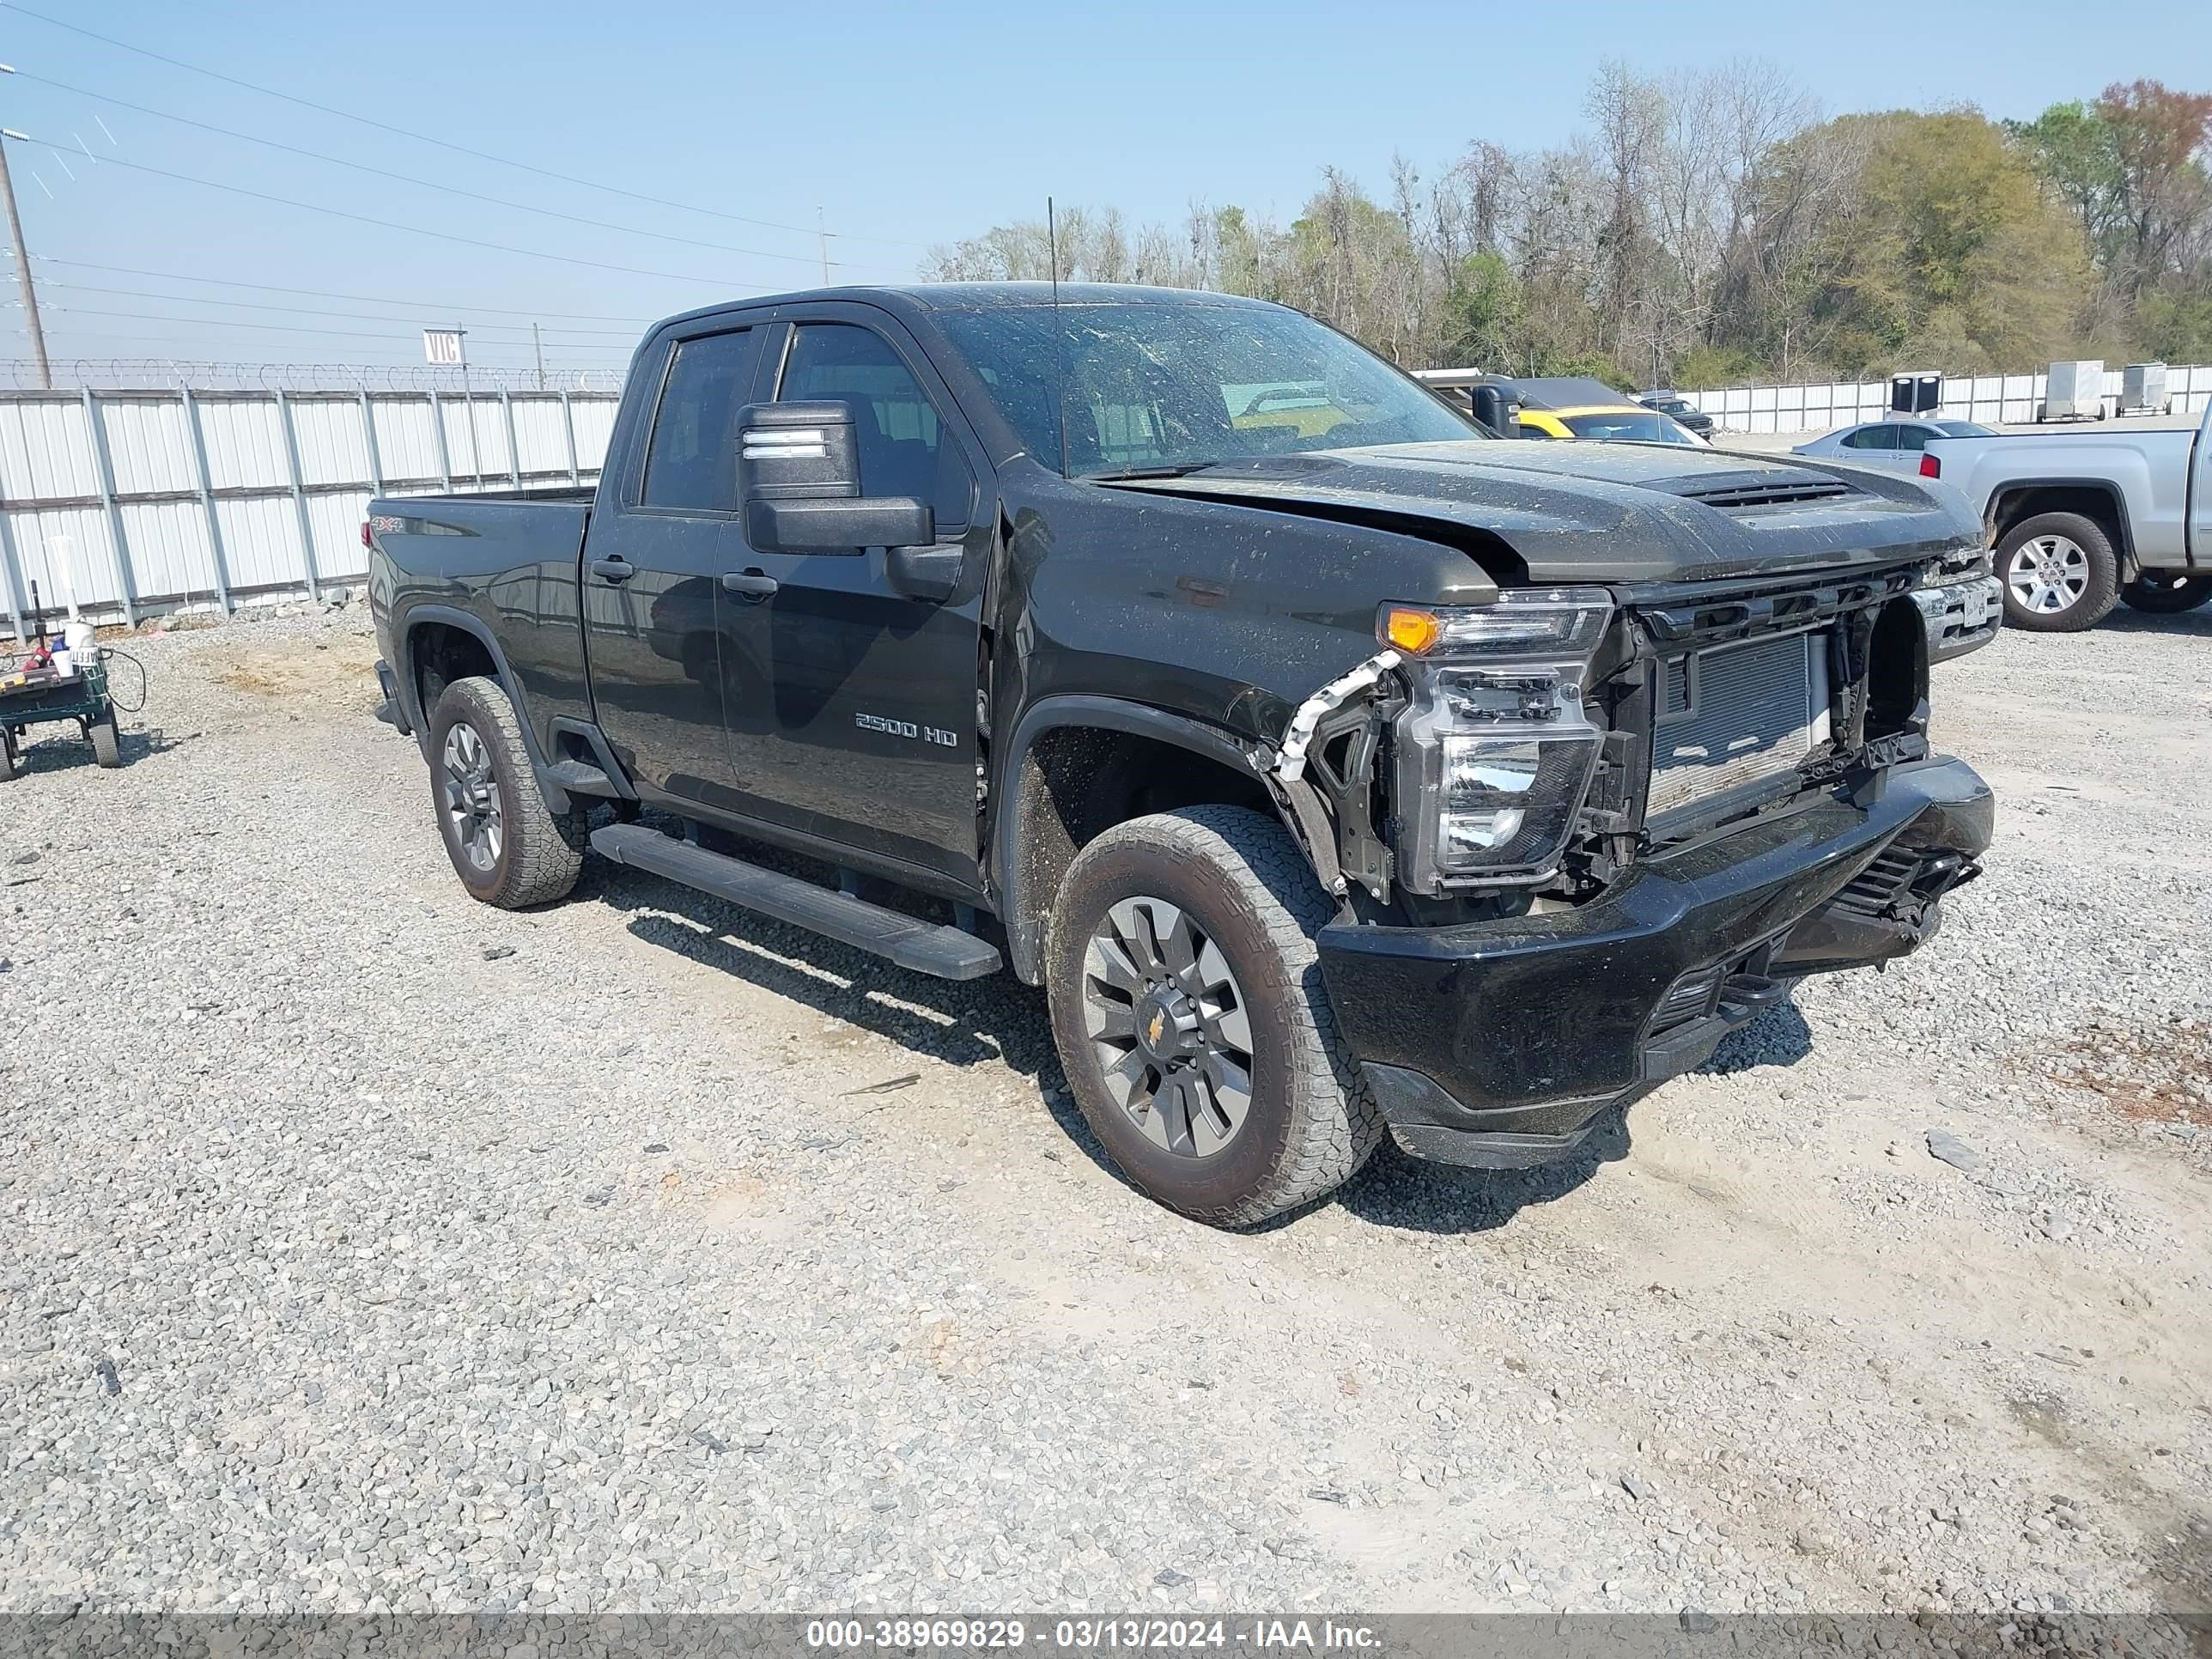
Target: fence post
{"x":298,"y":494}
{"x":104,"y":466}
{"x":438,"y":430}
{"x":10,"y":569}
{"x":568,"y":426}
{"x":513,"y":444}
{"x":207,"y":501}
{"x":368,"y":435}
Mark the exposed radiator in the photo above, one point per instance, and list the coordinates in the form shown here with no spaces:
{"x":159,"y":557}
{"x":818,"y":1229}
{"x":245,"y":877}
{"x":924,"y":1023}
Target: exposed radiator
{"x":1736,"y":715}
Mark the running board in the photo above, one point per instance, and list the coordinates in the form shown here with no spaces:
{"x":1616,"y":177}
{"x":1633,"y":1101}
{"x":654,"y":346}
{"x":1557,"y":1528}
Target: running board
{"x":924,"y":946}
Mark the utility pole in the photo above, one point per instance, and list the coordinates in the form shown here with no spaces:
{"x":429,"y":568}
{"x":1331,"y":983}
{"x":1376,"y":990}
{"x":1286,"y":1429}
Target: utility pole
{"x":537,"y":345}
{"x":23,"y":265}
{"x":821,"y":232}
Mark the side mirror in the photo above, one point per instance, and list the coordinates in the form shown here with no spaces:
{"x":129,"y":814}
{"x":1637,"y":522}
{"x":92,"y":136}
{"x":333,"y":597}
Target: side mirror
{"x":798,"y":485}
{"x":1495,"y":409}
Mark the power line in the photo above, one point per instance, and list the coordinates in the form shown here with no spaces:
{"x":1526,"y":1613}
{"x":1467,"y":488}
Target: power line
{"x":403,"y":327}
{"x":426,"y":184}
{"x":442,"y":144}
{"x":444,"y":307}
{"x":631,"y":335}
{"x":421,"y":230}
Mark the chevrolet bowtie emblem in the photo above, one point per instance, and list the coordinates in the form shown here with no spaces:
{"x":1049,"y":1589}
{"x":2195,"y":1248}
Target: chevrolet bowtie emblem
{"x":1152,"y":1031}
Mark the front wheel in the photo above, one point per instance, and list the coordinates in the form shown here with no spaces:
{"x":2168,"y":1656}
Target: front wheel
{"x":2167,"y":593}
{"x":508,"y":847}
{"x":2059,"y":573}
{"x":1190,"y":1013}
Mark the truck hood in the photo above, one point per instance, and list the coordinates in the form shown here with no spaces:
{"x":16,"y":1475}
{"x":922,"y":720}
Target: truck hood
{"x":1587,"y":512}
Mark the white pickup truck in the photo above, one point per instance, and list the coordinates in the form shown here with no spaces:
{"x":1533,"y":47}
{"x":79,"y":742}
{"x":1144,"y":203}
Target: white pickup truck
{"x":2086,"y":520}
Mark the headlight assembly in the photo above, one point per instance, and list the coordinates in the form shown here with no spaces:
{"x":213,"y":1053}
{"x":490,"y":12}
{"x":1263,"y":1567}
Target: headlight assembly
{"x":1495,"y":750}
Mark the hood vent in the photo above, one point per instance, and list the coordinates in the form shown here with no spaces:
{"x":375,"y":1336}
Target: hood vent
{"x":1745,"y":492}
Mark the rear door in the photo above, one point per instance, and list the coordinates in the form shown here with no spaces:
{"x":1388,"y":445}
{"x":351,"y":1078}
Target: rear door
{"x":1875,"y":445}
{"x":653,"y":567}
{"x":853,"y":710}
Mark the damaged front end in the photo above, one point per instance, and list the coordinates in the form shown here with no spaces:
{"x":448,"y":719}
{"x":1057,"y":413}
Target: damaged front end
{"x":1583,"y":833}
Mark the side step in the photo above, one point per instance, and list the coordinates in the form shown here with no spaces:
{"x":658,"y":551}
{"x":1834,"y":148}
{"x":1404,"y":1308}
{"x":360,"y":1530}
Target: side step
{"x":924,"y":946}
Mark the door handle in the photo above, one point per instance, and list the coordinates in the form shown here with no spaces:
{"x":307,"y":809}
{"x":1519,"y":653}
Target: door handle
{"x":614,"y":568}
{"x":754,"y":583}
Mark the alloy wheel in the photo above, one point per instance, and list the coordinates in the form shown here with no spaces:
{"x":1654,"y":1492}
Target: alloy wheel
{"x":1170,"y":1025}
{"x":472,"y":796}
{"x":2048,"y":574}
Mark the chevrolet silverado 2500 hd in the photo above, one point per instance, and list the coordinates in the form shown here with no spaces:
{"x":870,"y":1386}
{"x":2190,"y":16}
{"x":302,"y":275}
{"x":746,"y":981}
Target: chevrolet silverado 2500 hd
{"x":1335,"y":770}
{"x":2084,"y":520}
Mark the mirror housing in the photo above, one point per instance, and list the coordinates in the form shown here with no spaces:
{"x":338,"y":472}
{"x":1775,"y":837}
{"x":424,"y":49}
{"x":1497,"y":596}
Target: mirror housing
{"x":798,"y":485}
{"x":1491,"y":406}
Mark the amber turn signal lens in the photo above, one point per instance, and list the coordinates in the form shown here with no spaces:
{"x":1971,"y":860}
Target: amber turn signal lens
{"x":1413,"y":632}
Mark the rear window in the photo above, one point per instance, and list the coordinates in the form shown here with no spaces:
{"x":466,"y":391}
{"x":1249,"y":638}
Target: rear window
{"x":1964,"y":429}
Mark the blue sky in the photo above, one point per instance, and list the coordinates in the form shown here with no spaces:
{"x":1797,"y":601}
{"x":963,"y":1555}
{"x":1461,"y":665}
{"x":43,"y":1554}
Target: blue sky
{"x":903,"y":125}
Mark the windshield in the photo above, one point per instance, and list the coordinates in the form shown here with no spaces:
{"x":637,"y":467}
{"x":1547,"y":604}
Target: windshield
{"x":1625,"y":427}
{"x":1157,"y":388}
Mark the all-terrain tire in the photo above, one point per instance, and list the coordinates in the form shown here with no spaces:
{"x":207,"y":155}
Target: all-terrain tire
{"x":535,"y":854}
{"x":107,"y":743}
{"x":1243,"y":882}
{"x":2166,"y":594}
{"x":2100,"y":570}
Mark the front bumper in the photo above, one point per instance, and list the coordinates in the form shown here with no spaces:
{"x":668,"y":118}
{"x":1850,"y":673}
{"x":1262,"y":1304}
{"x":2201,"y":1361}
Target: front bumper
{"x":1960,"y":616}
{"x":1504,"y":1044}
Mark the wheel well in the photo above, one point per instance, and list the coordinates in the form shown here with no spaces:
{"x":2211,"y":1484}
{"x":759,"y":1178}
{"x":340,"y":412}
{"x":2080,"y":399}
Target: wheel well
{"x":2091,"y":501}
{"x":438,"y":653}
{"x":1078,"y":781}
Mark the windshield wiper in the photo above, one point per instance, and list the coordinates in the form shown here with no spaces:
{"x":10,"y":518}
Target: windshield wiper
{"x":1182,"y":469}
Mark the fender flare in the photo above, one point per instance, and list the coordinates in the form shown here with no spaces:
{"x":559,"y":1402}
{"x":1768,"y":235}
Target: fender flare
{"x":411,"y":689}
{"x":2123,"y":535}
{"x":1018,"y":911}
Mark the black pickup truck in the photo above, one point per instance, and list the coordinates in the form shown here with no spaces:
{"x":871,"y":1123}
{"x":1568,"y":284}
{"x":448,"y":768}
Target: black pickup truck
{"x":1334,"y":768}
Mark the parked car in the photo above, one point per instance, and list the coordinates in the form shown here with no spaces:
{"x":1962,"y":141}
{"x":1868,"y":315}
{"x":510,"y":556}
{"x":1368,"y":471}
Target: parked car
{"x":1680,"y":411}
{"x":1894,"y":444}
{"x":1573,"y":407}
{"x":1386,"y":779}
{"x":2083,"y":520}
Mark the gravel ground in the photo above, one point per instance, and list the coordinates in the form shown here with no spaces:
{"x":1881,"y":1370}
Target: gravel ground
{"x":362,"y":1247}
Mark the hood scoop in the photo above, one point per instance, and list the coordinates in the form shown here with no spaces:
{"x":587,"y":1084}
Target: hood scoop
{"x":1746,"y":492}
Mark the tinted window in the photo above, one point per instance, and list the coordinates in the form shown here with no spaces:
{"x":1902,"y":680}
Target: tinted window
{"x":1913,"y":437}
{"x":1624,"y":427}
{"x":1872,"y":437}
{"x":903,"y":449}
{"x":692,"y":460}
{"x":1964,"y":429}
{"x":1189,"y":384}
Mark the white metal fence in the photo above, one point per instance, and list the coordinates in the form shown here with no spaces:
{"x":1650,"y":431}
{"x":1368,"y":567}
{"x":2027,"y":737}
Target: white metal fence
{"x":1992,"y":398}
{"x":131,"y":502}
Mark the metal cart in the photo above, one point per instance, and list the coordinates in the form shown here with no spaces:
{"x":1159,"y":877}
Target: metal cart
{"x":80,"y":695}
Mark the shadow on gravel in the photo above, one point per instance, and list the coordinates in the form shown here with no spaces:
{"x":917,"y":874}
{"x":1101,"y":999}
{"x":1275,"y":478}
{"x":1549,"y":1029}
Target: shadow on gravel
{"x":1778,"y":1037}
{"x":1414,"y":1195}
{"x":2189,"y":624}
{"x":65,"y":751}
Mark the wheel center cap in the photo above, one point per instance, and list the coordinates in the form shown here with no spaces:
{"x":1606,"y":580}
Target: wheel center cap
{"x":1167,"y":1026}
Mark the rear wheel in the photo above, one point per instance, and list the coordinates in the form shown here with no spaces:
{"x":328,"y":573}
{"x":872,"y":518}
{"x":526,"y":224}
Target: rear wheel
{"x":1189,"y":1011}
{"x":107,"y":742}
{"x":508,"y":847}
{"x":2059,"y":573}
{"x":2167,"y":593}
{"x":7,"y":753}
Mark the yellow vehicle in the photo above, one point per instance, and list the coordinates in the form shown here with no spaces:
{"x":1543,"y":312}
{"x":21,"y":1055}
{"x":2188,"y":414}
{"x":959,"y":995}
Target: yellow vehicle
{"x":1578,"y":408}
